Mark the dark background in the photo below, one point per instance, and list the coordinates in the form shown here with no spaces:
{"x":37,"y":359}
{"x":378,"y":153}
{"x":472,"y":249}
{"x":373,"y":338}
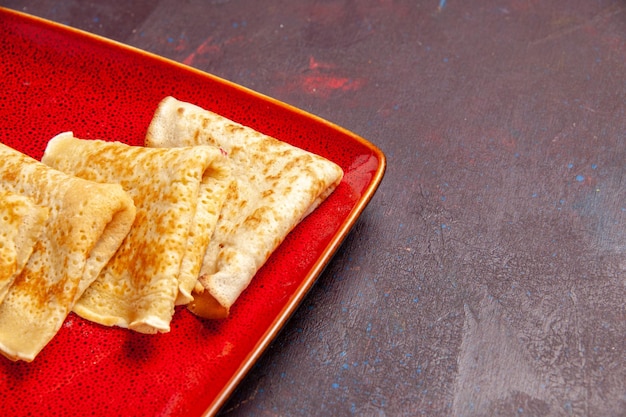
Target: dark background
{"x":488,"y":274}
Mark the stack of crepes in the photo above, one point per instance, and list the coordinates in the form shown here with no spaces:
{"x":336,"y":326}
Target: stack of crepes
{"x":211,"y":200}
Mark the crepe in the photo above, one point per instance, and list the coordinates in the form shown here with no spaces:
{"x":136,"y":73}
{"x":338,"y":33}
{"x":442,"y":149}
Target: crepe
{"x":86,"y":224}
{"x":21,"y":222}
{"x":275,"y":185}
{"x":178,"y":194}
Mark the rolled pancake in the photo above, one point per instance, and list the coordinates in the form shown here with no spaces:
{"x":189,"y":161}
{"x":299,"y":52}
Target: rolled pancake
{"x":275,"y":185}
{"x":21,"y":222}
{"x":86,"y":224}
{"x":178,"y":194}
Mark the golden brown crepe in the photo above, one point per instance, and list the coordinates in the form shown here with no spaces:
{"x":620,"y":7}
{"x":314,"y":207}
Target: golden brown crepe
{"x":86,"y":224}
{"x":21,"y":222}
{"x":275,"y":185}
{"x":178,"y":194}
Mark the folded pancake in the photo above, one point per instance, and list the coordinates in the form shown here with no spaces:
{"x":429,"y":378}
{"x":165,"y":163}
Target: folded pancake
{"x":86,"y":224}
{"x":21,"y":222}
{"x":274,"y":186}
{"x":178,"y":194}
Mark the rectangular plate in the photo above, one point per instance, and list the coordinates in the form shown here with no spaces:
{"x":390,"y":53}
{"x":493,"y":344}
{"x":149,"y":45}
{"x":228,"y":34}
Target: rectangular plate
{"x":57,"y":79}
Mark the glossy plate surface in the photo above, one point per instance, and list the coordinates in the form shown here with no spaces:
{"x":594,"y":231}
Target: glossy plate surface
{"x":57,"y":79}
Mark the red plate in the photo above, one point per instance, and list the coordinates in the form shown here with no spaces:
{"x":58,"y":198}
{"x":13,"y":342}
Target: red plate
{"x":57,"y":79}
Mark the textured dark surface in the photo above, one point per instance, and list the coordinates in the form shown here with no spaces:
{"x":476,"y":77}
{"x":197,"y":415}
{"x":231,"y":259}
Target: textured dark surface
{"x":488,"y":274}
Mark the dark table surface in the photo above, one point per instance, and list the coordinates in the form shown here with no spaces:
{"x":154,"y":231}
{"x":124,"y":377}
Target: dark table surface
{"x":488,"y":274}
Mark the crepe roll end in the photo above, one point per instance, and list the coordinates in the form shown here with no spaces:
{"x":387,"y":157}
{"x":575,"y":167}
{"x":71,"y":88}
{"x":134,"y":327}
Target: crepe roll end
{"x":206,"y":306}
